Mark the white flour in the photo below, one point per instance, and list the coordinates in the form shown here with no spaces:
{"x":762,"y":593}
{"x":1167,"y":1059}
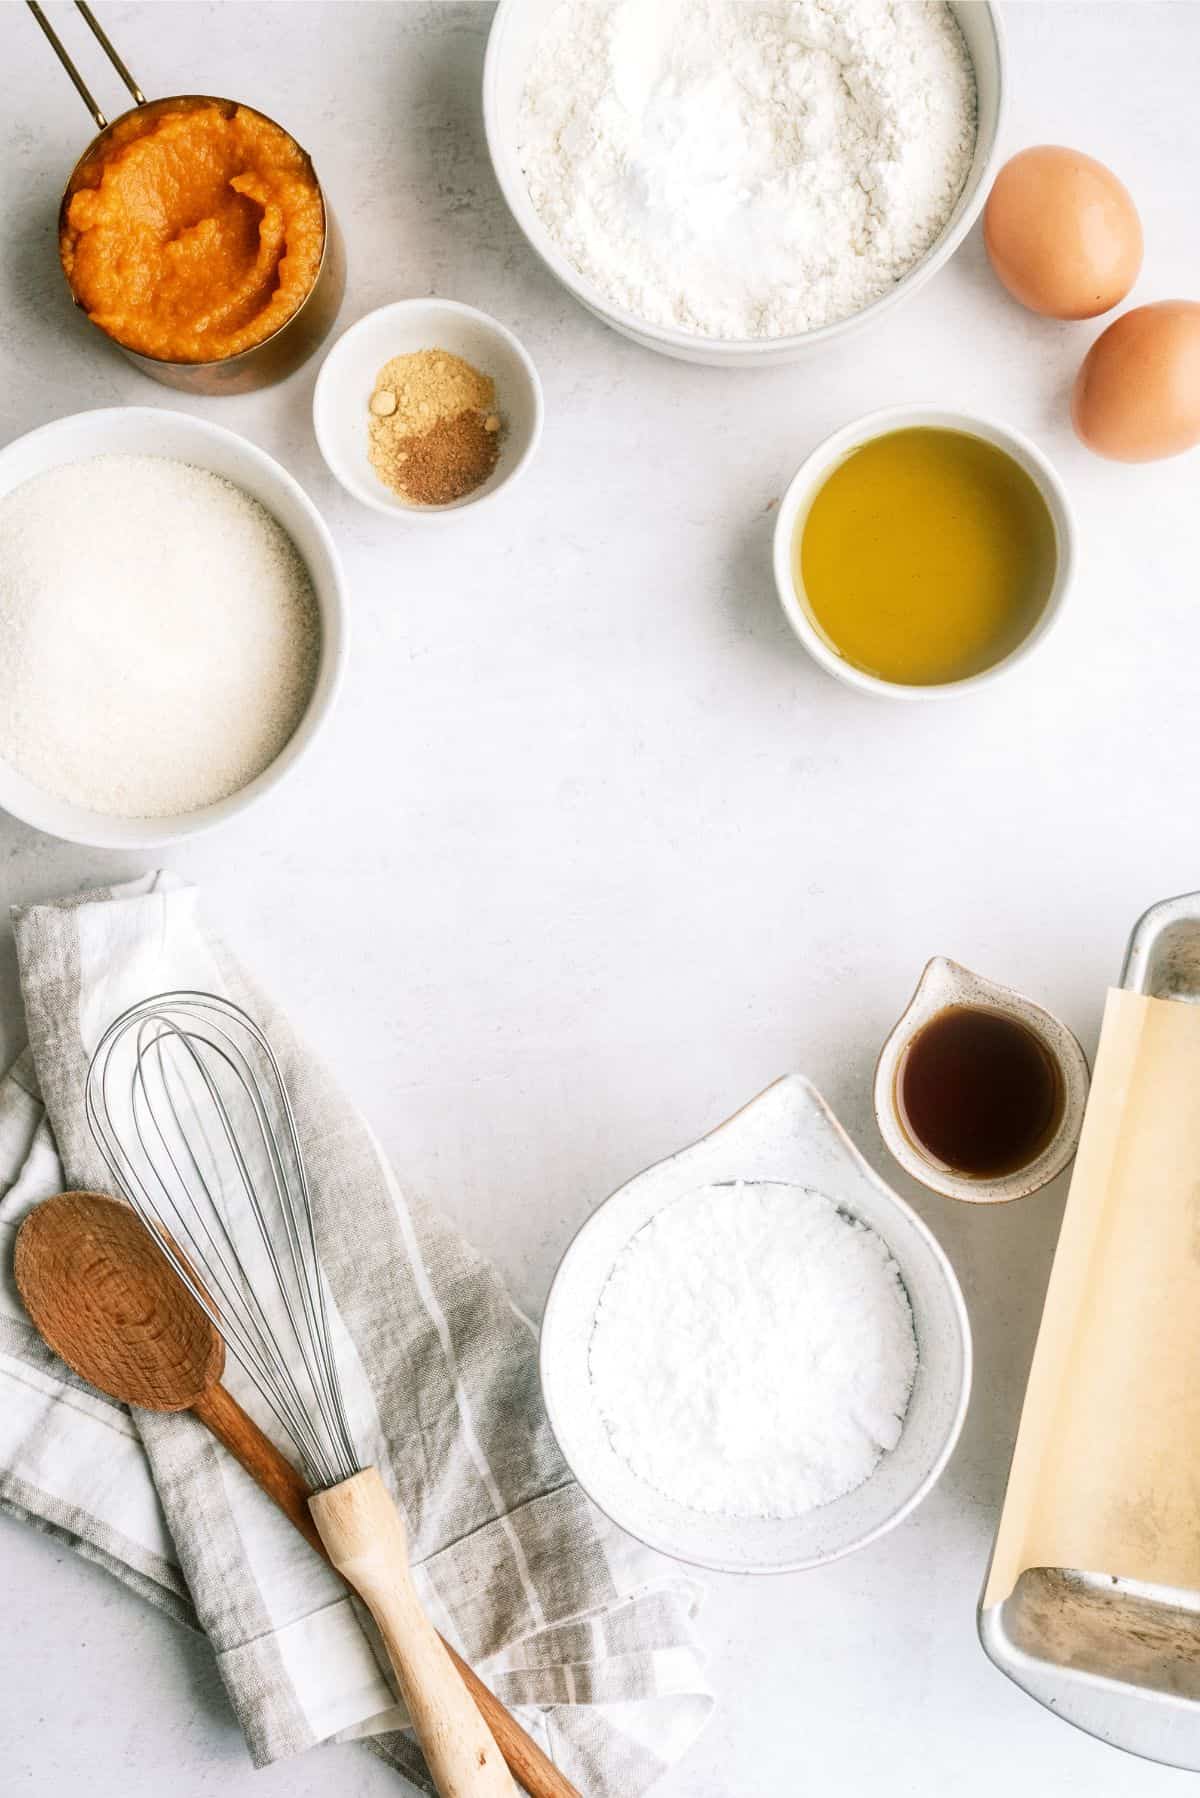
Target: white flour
{"x":158,"y":635}
{"x":747,"y":168}
{"x":753,"y":1351}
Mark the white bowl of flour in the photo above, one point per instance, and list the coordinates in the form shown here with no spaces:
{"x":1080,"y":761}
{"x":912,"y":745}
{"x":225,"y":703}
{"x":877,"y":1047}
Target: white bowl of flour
{"x":755,"y":1357}
{"x":732,"y":183}
{"x":172,"y":625}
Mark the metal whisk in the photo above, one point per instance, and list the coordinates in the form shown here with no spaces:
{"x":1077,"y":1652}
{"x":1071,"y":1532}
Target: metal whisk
{"x":188,"y":1107}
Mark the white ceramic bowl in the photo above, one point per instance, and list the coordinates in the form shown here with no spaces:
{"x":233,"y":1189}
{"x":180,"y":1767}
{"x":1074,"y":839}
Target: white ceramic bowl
{"x":515,"y":31}
{"x":347,"y":381}
{"x":811,"y":476}
{"x":788,"y":1135}
{"x":151,"y":431}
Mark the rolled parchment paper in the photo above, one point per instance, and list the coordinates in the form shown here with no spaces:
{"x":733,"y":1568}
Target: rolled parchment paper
{"x":1106,"y":1473}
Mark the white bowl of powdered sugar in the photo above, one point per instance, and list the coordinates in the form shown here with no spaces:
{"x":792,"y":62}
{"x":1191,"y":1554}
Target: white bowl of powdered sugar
{"x":739,"y":184}
{"x":755,"y":1356}
{"x":172,"y":625}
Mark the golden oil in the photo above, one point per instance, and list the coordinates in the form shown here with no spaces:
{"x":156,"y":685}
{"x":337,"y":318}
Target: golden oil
{"x":928,"y":555}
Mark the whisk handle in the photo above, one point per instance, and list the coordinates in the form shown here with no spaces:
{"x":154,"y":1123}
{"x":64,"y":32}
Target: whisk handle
{"x":365,"y":1539}
{"x":220,"y":1411}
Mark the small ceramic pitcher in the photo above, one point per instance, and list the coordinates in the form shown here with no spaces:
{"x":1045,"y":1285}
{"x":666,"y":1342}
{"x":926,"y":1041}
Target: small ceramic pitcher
{"x":943,"y":984}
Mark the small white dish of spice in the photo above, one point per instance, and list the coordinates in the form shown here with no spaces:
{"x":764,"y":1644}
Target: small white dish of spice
{"x":427,"y":407}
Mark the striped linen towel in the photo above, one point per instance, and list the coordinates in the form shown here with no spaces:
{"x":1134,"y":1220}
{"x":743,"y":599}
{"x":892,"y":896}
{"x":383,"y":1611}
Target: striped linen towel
{"x":577,"y":1627}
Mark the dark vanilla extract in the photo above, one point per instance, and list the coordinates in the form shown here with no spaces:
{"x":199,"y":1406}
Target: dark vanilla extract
{"x":978,"y":1092}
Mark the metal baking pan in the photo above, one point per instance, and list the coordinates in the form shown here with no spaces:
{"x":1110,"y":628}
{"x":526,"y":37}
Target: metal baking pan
{"x":1116,"y":1658}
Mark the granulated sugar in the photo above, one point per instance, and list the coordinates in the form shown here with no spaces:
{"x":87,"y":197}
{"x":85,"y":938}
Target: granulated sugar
{"x":159,"y":635}
{"x":753,"y":1351}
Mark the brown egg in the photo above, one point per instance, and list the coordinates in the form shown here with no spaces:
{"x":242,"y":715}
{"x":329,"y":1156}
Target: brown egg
{"x":1137,"y":396}
{"x":1062,"y":233}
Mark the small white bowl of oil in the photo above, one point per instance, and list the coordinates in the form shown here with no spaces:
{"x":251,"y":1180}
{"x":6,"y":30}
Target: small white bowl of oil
{"x":921,"y":553}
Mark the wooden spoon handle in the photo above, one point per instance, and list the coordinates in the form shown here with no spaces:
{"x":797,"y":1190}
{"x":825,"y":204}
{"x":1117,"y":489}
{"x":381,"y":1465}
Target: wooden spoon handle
{"x":239,"y":1433}
{"x":274,"y":1473}
{"x":364,"y":1534}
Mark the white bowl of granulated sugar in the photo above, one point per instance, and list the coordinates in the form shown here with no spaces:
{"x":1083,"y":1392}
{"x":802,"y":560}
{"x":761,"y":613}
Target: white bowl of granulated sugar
{"x":755,"y":1356}
{"x":172,"y":626}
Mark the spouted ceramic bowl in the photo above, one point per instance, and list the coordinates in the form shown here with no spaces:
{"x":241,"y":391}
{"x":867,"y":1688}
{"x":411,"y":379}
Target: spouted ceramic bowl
{"x":789,"y":1135}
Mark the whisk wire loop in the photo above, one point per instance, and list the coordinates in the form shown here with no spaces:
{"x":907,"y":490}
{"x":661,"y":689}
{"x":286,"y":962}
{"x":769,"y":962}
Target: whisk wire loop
{"x":189,"y":1109}
{"x":240,"y":1322}
{"x":313,"y":1336}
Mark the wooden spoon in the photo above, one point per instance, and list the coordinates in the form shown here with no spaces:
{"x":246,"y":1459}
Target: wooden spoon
{"x":102,"y":1295}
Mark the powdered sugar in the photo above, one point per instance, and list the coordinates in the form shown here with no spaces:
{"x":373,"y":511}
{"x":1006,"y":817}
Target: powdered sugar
{"x":158,"y":635}
{"x":747,"y":168}
{"x":753,"y":1351}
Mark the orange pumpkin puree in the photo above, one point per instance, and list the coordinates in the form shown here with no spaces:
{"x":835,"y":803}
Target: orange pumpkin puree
{"x":194,"y":232}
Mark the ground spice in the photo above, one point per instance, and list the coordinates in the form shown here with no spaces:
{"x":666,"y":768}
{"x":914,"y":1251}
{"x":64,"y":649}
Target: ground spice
{"x":434,"y":431}
{"x":443,"y":463}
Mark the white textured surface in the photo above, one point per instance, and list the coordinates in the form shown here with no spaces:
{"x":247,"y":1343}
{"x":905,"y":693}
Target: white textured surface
{"x":621,"y":853}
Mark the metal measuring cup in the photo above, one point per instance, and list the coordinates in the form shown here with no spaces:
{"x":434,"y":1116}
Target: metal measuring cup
{"x":287,"y":346}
